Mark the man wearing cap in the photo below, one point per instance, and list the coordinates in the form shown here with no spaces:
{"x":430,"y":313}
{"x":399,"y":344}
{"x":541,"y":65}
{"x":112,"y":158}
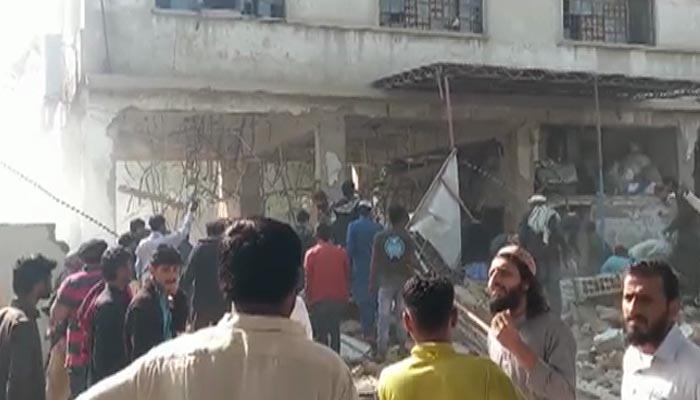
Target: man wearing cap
{"x":360,"y":235}
{"x":393,"y":260}
{"x":64,"y":321}
{"x":528,"y":341}
{"x":541,"y":235}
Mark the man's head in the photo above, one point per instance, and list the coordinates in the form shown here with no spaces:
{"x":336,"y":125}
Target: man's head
{"x":65,"y":249}
{"x":364,"y":208}
{"x":116,"y":266}
{"x":137,"y":227}
{"x":324,"y":232}
{"x":620,"y":251}
{"x":650,"y":302}
{"x":90,"y":252}
{"x":165,"y":267}
{"x":126,"y":240}
{"x":512,"y":282}
{"x":398,"y":215}
{"x":31,"y":277}
{"x":537,"y":200}
{"x":216,"y":228}
{"x":261,"y":259}
{"x":348,"y":189}
{"x":303,"y":217}
{"x":430,"y":313}
{"x":320,"y":200}
{"x":157,"y":223}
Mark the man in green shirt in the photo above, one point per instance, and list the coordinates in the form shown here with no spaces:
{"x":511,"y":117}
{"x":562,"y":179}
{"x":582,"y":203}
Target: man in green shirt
{"x":435,"y":370}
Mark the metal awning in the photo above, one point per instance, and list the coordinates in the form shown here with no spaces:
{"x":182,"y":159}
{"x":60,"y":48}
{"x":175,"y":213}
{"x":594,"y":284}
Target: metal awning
{"x":490,"y":79}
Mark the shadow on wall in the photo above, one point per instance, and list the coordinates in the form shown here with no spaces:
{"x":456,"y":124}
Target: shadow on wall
{"x":17,"y":240}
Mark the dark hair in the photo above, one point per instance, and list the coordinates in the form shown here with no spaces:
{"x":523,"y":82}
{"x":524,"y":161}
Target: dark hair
{"x":397,"y":214}
{"x":157,"y":223}
{"x":620,"y":251}
{"x":652,"y":269}
{"x":91,"y":251}
{"x":136,"y":224}
{"x":348,"y":188}
{"x":303,"y":216}
{"x":65,"y":249}
{"x":113,"y":259}
{"x":29,"y":271}
{"x":216,"y":228}
{"x":125,"y":240}
{"x":324,"y":232}
{"x":430,"y":301}
{"x":536,"y":301}
{"x":166,"y":255}
{"x":260,"y":261}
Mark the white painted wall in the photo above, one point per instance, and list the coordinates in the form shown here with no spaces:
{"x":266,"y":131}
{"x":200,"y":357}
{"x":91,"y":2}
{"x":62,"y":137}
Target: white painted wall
{"x":228,"y":49}
{"x":678,"y":23}
{"x":334,"y":12}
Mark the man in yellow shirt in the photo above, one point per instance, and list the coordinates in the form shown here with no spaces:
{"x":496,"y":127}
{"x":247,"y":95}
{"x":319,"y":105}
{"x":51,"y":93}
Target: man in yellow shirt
{"x":434,"y":370}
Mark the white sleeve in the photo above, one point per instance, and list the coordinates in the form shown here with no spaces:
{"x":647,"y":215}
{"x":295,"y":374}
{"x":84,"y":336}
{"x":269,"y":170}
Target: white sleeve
{"x":301,"y":315}
{"x":174,"y":239}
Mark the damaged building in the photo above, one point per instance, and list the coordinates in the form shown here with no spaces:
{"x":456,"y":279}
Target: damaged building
{"x":253,"y":105}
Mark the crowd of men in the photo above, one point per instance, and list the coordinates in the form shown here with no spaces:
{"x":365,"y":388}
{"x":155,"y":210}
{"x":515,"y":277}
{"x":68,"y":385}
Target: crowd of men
{"x":117,"y":340}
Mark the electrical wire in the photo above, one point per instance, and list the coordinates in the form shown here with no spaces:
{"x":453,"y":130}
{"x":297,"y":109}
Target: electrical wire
{"x":57,"y":199}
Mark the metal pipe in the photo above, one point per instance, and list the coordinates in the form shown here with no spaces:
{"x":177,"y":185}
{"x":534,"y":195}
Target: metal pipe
{"x":601,"y":182}
{"x":448,"y":109}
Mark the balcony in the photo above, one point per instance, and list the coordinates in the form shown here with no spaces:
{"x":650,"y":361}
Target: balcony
{"x":433,"y":15}
{"x":610,"y":21}
{"x":255,"y":8}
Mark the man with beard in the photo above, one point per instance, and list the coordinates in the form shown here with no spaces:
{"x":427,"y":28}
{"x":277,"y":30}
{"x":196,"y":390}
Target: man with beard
{"x":21,"y":369}
{"x":660,"y":362}
{"x":529,"y":342}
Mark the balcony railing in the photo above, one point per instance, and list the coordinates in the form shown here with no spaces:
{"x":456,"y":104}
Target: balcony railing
{"x":612,"y":21}
{"x":433,"y":15}
{"x":256,"y":8}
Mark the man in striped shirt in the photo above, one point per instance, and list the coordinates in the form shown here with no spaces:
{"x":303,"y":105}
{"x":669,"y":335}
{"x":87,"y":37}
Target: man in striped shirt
{"x":73,"y":291}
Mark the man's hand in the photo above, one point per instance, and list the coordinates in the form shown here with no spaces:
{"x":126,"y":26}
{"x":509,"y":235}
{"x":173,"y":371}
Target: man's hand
{"x":194,"y":205}
{"x":504,"y":329}
{"x":506,"y":332}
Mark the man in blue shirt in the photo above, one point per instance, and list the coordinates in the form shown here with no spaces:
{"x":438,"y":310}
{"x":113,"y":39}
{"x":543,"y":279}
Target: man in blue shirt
{"x":618,"y":262}
{"x":360,"y":238}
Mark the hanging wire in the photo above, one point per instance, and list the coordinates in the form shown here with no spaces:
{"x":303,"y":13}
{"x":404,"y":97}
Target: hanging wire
{"x":57,"y":199}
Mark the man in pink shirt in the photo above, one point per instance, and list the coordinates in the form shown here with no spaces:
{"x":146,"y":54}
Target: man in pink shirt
{"x":327,"y":287}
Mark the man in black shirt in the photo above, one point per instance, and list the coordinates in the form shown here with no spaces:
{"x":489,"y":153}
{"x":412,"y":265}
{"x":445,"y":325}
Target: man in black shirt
{"x":108,"y":343}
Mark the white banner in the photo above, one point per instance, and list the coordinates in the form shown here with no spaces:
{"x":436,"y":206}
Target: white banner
{"x":437,"y":218}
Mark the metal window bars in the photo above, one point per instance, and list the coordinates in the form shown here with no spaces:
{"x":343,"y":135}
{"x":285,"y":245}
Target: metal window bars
{"x":433,"y":15}
{"x":612,"y":21}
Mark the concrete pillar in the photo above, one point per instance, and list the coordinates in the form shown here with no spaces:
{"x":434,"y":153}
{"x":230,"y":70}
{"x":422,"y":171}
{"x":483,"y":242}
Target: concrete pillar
{"x":98,"y":185}
{"x":688,"y":130}
{"x":330,"y":154}
{"x":251,"y":200}
{"x":521,"y":153}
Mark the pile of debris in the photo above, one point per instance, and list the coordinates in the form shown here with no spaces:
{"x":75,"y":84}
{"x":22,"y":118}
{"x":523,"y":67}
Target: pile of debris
{"x":593,"y":311}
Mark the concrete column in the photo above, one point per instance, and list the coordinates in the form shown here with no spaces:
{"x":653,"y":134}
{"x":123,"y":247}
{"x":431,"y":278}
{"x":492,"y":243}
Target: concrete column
{"x":98,"y":185}
{"x":688,"y":130}
{"x":330,"y":154}
{"x":251,"y":201}
{"x":521,"y":152}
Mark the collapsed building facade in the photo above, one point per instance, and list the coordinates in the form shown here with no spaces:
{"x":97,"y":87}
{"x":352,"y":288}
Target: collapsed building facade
{"x":254,"y":105}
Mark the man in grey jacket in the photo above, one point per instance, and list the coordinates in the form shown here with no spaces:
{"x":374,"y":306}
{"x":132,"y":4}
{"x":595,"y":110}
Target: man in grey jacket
{"x":530,"y":343}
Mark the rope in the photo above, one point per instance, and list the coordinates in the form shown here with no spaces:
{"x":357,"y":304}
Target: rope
{"x":58,"y":200}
